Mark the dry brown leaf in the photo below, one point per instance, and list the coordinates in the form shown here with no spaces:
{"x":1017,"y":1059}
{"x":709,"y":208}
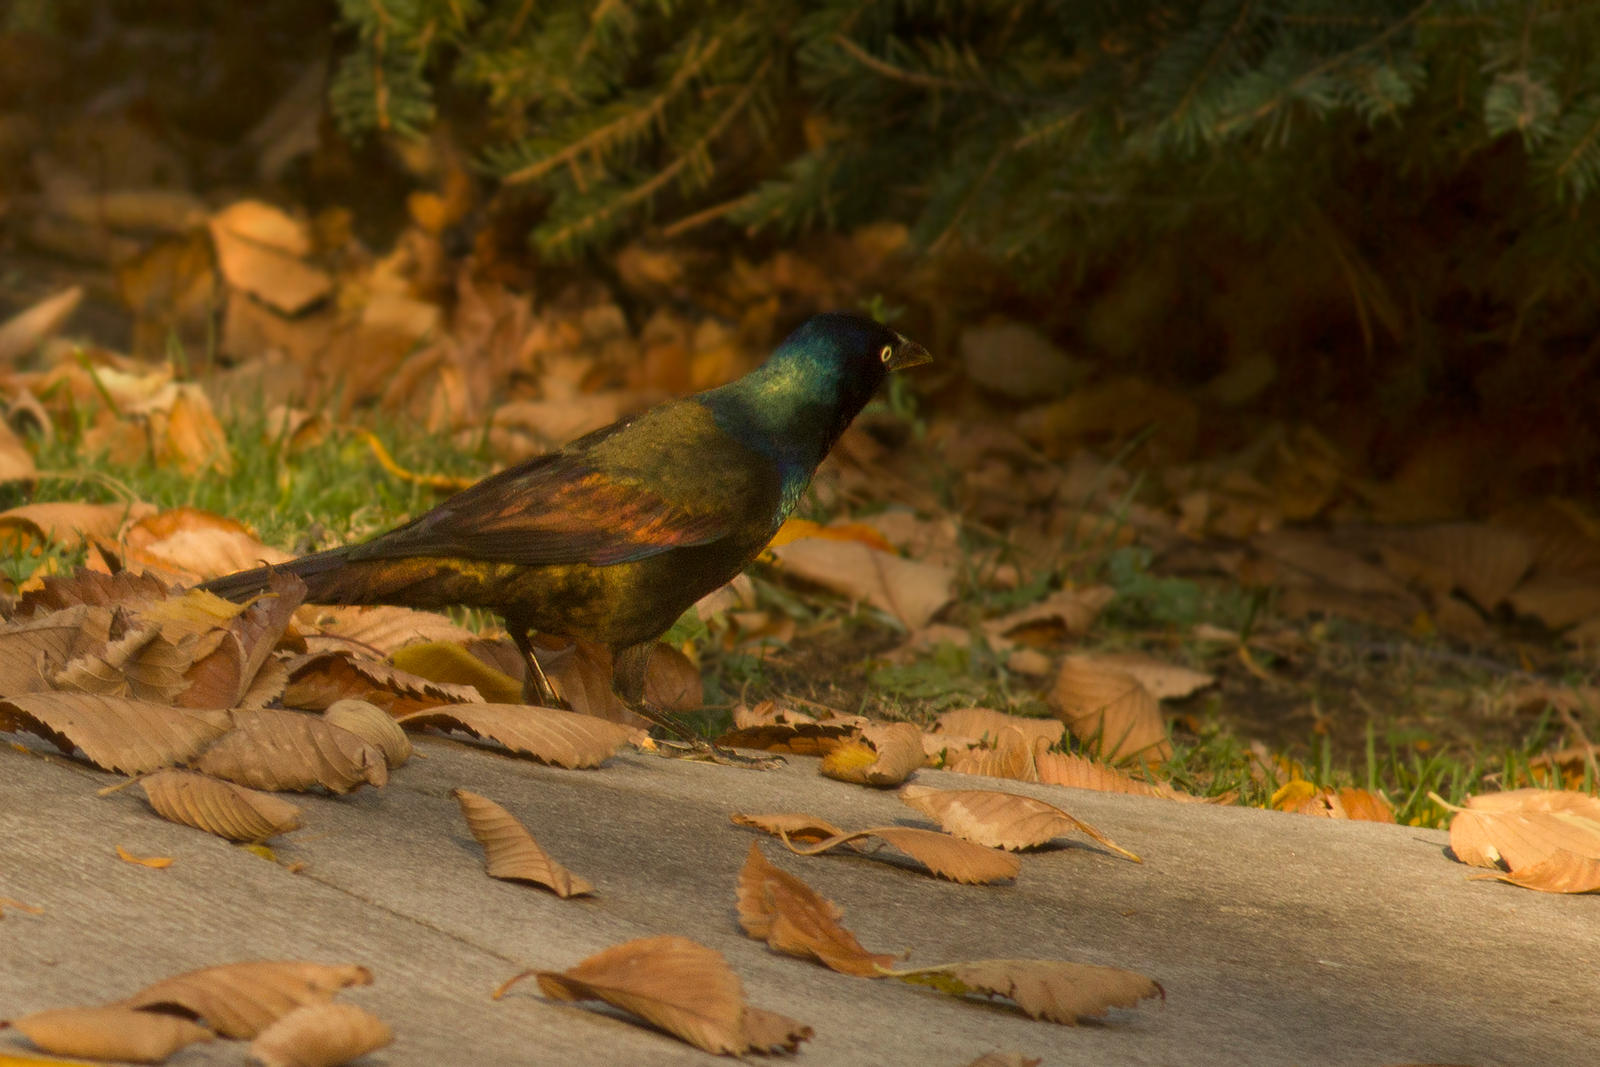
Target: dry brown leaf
{"x":909,"y":590}
{"x":946,"y":856}
{"x":987,"y":723}
{"x":676,"y":984}
{"x":1486,"y":562}
{"x":777,"y":729}
{"x":1302,"y":798}
{"x":791,"y":917}
{"x":221,"y":678}
{"x":189,"y":544}
{"x":807,"y":829}
{"x":1056,"y":990}
{"x":383,"y":629}
{"x":510,"y":852}
{"x":142,"y":663}
{"x":453,"y":663}
{"x":1012,"y":757}
{"x":318,"y":679}
{"x":29,"y":328}
{"x":1062,"y":615}
{"x":155,"y":863}
{"x":1080,"y":772}
{"x":672,"y":682}
{"x":258,"y":251}
{"x":218,"y":807}
{"x":1162,"y":680}
{"x":1000,"y":820}
{"x":1109,"y":709}
{"x":373,"y":725}
{"x":581,"y":672}
{"x":887,"y":754}
{"x":240,"y":1000}
{"x":113,"y":1032}
{"x":1544,"y":839}
{"x":769,"y":1033}
{"x":551,"y":735}
{"x":17,"y":905}
{"x":320,"y":1035}
{"x":279,"y":750}
{"x":67,"y":524}
{"x":58,"y":592}
{"x":114,"y":733}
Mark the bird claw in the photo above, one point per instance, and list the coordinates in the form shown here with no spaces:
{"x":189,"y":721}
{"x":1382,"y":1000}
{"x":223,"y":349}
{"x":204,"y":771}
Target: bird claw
{"x":707,"y":752}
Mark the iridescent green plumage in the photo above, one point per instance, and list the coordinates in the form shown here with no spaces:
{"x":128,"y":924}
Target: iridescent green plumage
{"x":611,"y":538}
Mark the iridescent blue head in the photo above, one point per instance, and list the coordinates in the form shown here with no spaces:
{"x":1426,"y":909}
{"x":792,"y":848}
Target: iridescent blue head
{"x":795,"y":405}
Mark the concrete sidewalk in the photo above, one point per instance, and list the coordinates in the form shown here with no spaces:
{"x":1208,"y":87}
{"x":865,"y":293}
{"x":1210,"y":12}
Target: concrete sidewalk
{"x":1280,"y":939}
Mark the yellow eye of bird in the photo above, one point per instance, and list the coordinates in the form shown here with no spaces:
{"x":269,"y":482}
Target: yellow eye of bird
{"x":888,"y":350}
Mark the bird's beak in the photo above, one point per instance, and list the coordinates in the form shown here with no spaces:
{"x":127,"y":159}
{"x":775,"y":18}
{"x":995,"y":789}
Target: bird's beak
{"x":908,"y":354}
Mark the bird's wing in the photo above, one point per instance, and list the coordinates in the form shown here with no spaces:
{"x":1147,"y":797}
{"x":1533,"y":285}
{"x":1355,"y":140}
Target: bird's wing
{"x":626,"y":501}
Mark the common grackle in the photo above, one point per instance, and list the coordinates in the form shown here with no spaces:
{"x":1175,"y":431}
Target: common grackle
{"x":615,"y":535}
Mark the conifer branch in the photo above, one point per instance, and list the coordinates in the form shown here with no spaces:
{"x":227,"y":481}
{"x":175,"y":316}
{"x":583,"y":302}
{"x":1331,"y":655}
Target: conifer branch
{"x":1204,"y":73}
{"x":599,"y":141}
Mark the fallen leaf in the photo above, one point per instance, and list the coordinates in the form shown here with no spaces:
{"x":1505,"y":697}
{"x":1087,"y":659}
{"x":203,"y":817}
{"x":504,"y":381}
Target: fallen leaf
{"x":1056,"y":990}
{"x":1162,"y":680}
{"x":946,"y":856}
{"x":320,"y":1035}
{"x":188,"y":544}
{"x":986,"y":723}
{"x":219,"y":807}
{"x":279,"y":750}
{"x":1005,"y":1059}
{"x":791,"y":917}
{"x":672,"y":682}
{"x":1080,"y":772}
{"x":1000,"y":820}
{"x":64,"y":523}
{"x":383,"y":629}
{"x":373,"y":725}
{"x":453,"y":663}
{"x":114,"y":733}
{"x":1544,"y":839}
{"x":113,"y":1032}
{"x":807,"y":829}
{"x":909,"y":590}
{"x":153,"y":862}
{"x":1110,"y":709}
{"x":259,"y":250}
{"x":886,"y":754}
{"x":550,"y":735}
{"x":510,"y":851}
{"x":240,"y":1000}
{"x":16,"y":461}
{"x":680,"y":986}
{"x":318,"y":679}
{"x":1300,"y":797}
{"x":1065,"y":614}
{"x":222,"y":677}
{"x":778,"y":729}
{"x":29,"y":328}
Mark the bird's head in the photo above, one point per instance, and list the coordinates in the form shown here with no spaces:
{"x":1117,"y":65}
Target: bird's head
{"x":795,"y":406}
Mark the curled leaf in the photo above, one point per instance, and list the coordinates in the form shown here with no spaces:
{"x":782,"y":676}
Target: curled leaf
{"x":1000,"y":820}
{"x":511,"y":852}
{"x":240,"y":1000}
{"x":320,"y":1035}
{"x":551,"y":735}
{"x":115,"y":733}
{"x":946,"y":856}
{"x":274,"y":749}
{"x":886,"y":754}
{"x":373,"y":725}
{"x":806,"y":829}
{"x":791,"y":917}
{"x":1056,"y":990}
{"x":114,"y":1032}
{"x":679,"y":985}
{"x":219,"y":807}
{"x":1545,"y":839}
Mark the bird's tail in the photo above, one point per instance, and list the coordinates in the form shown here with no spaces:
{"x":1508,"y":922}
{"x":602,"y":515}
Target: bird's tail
{"x":314,"y":570}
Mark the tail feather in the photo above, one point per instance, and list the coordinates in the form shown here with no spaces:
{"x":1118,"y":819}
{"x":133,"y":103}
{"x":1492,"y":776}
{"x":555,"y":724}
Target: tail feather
{"x":242,"y":585}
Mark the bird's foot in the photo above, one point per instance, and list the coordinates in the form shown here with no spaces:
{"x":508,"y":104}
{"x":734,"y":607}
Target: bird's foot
{"x":707,"y":752}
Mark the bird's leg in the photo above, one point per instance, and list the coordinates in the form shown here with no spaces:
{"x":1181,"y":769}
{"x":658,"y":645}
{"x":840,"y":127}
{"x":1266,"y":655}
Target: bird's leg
{"x":536,"y":688}
{"x":628,"y":668}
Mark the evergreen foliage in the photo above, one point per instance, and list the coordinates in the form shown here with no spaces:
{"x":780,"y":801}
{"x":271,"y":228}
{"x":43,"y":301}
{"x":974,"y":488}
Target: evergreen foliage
{"x":1025,"y":128}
